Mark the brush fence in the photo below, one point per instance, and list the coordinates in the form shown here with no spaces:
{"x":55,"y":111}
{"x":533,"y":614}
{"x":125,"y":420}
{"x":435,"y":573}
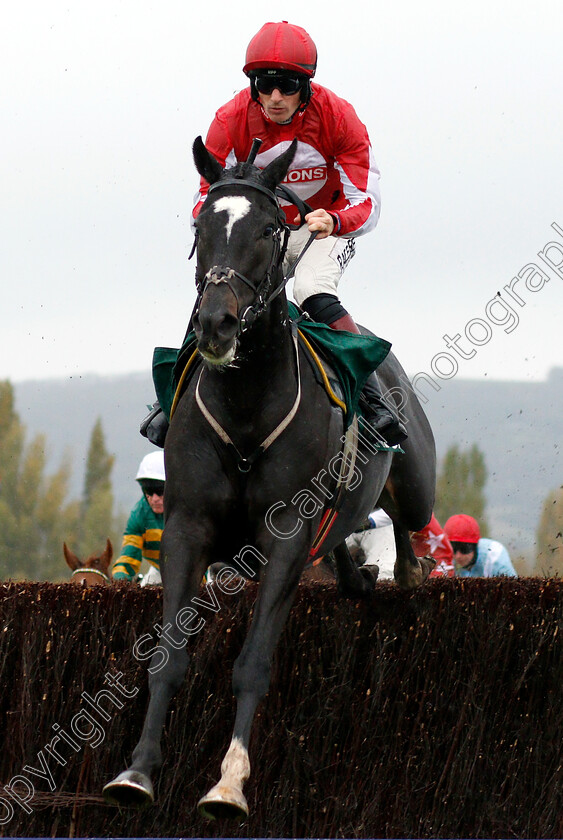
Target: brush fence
{"x":437,"y":713}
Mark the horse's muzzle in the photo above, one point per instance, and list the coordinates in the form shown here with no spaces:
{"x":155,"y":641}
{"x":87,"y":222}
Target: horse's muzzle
{"x":216,"y":334}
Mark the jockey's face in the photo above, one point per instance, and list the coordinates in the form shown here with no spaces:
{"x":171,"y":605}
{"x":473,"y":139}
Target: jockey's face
{"x":465,"y":559}
{"x":279,"y":107}
{"x":156,"y":501}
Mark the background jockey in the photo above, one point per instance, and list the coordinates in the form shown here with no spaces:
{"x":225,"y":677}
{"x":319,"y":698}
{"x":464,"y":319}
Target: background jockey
{"x":476,"y":556}
{"x":375,"y":538}
{"x":432,"y":540}
{"x":333,"y":171}
{"x":141,"y":540}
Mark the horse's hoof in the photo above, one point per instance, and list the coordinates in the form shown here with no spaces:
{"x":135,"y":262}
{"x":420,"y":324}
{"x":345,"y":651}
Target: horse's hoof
{"x":131,"y":789}
{"x":428,"y":564}
{"x":361,"y":584}
{"x":223,"y":803}
{"x":370,"y":573}
{"x":415,"y":574}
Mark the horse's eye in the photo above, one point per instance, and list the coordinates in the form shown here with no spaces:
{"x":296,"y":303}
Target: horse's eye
{"x":268,"y":231}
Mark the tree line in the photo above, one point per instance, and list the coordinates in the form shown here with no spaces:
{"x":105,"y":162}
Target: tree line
{"x":36,"y":515}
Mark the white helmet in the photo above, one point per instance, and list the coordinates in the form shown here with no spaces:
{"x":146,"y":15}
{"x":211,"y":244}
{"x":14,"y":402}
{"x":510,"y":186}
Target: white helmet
{"x":152,"y":467}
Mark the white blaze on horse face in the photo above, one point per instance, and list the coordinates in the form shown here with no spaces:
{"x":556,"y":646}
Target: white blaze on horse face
{"x":236,"y":206}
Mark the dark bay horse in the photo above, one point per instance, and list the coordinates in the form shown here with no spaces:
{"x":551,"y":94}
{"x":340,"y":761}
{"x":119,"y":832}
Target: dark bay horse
{"x":248,"y":436}
{"x":92,"y":571}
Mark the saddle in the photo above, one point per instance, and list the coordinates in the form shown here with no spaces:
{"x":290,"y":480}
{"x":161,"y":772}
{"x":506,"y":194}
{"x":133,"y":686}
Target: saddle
{"x":341,"y":362}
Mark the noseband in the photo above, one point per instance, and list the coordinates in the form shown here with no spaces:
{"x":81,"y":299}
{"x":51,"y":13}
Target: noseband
{"x":91,"y":571}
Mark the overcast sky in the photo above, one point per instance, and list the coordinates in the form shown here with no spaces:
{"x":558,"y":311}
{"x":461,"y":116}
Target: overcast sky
{"x":100,"y":103}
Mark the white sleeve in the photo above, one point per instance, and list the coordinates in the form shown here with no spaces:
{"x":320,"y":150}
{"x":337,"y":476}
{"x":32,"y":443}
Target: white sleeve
{"x":379,"y":518}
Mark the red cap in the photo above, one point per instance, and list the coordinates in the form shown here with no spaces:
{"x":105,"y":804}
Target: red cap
{"x":462,"y":528}
{"x":282,"y":46}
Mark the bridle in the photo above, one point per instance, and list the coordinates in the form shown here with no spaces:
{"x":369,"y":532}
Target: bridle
{"x":91,"y":571}
{"x":264,"y":294}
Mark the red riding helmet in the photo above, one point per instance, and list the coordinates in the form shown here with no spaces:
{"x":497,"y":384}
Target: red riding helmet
{"x":462,"y":528}
{"x":282,"y":46}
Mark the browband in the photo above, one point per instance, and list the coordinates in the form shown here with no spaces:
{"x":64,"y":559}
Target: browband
{"x":281,"y":191}
{"x":242,"y":182}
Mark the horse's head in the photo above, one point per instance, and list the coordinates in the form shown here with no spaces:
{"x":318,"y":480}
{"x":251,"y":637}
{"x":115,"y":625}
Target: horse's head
{"x":92,"y":571}
{"x":241,"y":235}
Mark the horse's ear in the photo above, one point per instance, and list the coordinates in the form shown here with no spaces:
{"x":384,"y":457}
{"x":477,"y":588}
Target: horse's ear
{"x":72,"y":560}
{"x":108,"y":553}
{"x":205,"y":163}
{"x":276,"y":171}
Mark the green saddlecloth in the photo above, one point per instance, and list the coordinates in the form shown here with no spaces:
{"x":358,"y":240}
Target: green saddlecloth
{"x":353,"y":357}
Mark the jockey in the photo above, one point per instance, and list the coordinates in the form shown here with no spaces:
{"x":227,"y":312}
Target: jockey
{"x":474,"y":555}
{"x":432,"y":540}
{"x":334,"y":171}
{"x":141,"y":539}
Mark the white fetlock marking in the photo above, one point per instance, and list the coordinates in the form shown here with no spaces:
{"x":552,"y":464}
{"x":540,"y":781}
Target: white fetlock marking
{"x":235,"y":768}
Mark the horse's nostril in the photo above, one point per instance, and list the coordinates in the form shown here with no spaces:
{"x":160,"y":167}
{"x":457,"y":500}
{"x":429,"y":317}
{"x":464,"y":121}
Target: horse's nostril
{"x":227,"y":327}
{"x":216,"y":329}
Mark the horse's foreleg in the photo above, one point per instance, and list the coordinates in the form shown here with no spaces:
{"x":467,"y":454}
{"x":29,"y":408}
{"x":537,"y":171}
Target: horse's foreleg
{"x":133,"y":787}
{"x":410,"y":571}
{"x":251,"y":679}
{"x":168,"y":666}
{"x":353,"y":581}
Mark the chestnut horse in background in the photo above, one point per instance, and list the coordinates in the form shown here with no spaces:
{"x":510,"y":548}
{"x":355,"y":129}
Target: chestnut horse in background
{"x":94,"y":571}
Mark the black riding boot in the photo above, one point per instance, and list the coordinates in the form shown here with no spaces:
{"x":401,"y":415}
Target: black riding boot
{"x":155,"y":425}
{"x":381,"y":416}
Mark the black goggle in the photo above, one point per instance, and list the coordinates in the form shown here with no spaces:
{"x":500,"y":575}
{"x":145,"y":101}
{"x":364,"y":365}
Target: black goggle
{"x":463,"y":547}
{"x":287,"y":85}
{"x":153,"y":489}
